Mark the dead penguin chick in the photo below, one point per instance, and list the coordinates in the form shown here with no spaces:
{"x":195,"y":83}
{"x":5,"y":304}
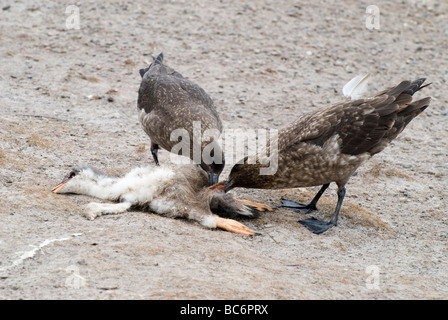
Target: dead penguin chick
{"x":329,"y":145}
{"x":170,"y":104}
{"x":178,"y":193}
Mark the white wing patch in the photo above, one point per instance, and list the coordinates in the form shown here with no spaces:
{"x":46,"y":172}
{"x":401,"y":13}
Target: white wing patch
{"x":357,"y":87}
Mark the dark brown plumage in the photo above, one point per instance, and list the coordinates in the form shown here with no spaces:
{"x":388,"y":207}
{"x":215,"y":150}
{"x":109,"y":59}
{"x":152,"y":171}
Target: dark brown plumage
{"x":167,"y":101}
{"x":329,"y":145}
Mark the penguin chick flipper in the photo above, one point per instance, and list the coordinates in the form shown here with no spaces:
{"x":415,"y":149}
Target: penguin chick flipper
{"x":95,"y":209}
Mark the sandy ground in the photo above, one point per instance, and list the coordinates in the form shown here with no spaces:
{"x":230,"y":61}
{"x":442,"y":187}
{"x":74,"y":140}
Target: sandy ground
{"x":68,"y":97}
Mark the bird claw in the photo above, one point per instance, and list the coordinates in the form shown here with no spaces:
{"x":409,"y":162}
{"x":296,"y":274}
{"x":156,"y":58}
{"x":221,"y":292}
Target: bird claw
{"x":297,"y":206}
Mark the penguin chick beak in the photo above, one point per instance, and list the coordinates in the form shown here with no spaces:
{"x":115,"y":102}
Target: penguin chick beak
{"x":218,"y":186}
{"x":60,"y":186}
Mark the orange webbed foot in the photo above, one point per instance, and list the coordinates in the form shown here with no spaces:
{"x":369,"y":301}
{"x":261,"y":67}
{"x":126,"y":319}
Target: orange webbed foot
{"x":234,"y":226}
